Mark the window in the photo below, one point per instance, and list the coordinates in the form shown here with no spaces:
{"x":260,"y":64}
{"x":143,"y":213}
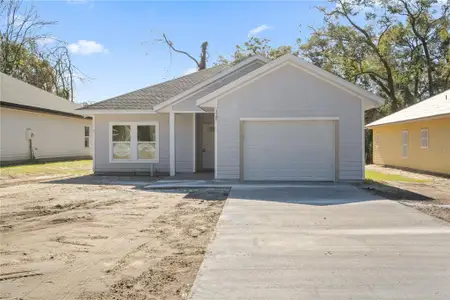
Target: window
{"x":86,"y":137}
{"x":405,"y":143}
{"x":146,"y":141}
{"x":424,"y":138}
{"x":121,"y":142}
{"x":134,"y":142}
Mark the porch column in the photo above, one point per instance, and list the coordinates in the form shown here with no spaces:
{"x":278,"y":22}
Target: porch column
{"x":172,"y":143}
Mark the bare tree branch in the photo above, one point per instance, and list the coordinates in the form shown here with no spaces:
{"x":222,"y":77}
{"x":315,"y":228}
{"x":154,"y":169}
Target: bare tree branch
{"x":24,"y":55}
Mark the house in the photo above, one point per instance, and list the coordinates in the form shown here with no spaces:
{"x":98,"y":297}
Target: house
{"x":257,"y":120}
{"x":417,"y":137}
{"x":37,"y":124}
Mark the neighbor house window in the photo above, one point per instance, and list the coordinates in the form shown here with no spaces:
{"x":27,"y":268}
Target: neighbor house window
{"x":405,"y":143}
{"x":86,"y":137}
{"x":424,"y":138}
{"x":134,"y":142}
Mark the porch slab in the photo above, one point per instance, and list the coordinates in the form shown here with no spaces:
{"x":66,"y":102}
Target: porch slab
{"x":175,"y":183}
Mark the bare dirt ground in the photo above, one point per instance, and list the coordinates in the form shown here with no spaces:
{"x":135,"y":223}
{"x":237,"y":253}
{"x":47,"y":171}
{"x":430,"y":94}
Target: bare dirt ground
{"x":103,"y":241}
{"x":431,"y":196}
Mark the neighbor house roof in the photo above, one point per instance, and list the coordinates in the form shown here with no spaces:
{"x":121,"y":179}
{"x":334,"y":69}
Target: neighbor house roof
{"x":435,"y":106}
{"x":17,"y":94}
{"x":150,"y":96}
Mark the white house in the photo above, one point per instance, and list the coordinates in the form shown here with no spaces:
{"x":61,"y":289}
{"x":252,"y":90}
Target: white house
{"x":257,"y":120}
{"x":35,"y":123}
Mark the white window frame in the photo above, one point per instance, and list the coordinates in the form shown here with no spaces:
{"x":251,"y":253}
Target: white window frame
{"x":405,"y":143}
{"x":134,"y":142}
{"x":88,"y":137}
{"x":422,"y":139}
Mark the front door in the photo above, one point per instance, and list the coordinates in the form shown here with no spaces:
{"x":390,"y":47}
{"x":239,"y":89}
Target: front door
{"x":208,"y":147}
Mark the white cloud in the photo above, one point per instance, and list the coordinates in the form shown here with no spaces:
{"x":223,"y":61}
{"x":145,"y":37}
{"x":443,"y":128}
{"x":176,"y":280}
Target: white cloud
{"x":46,"y":40}
{"x":190,"y":71}
{"x":84,"y":47}
{"x":258,"y":29}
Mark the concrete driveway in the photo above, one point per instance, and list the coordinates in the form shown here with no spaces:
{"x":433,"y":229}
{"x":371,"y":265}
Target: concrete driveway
{"x":323,"y":242}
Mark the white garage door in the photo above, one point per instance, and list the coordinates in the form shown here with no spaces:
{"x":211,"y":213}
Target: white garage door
{"x":288,"y":150}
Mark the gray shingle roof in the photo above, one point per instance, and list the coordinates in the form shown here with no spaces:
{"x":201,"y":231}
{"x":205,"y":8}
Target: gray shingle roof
{"x":148,"y":97}
{"x":434,"y":106}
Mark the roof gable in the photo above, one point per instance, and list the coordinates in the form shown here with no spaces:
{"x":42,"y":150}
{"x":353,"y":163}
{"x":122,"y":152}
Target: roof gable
{"x":231,"y":74}
{"x":370,"y":99}
{"x":432,"y":107}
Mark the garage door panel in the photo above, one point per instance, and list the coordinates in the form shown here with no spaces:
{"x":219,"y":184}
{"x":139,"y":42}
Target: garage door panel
{"x":288,"y":150}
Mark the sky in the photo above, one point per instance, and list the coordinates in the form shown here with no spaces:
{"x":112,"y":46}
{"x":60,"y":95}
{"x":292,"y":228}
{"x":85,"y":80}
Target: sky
{"x":114,"y":43}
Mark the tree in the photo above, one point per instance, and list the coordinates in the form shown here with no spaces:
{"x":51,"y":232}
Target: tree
{"x":397,"y":49}
{"x":30,"y":54}
{"x":201,"y":62}
{"x":255,"y":46}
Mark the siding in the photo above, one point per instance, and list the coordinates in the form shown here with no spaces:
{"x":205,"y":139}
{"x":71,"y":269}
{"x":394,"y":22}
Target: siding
{"x":190,"y":103}
{"x":290,"y":92}
{"x":184,"y":146}
{"x":435,"y":159}
{"x":54,"y":136}
{"x":183,"y":141}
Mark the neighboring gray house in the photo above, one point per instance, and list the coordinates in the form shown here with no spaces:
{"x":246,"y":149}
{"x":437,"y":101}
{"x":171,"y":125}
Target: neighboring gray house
{"x":35,"y":124}
{"x":257,"y":120}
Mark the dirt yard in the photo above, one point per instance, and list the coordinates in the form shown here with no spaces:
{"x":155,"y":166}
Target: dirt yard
{"x":427,"y":193}
{"x":65,"y":240}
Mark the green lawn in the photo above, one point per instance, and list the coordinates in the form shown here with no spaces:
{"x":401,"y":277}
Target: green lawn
{"x":78,"y":167}
{"x":378,"y":176}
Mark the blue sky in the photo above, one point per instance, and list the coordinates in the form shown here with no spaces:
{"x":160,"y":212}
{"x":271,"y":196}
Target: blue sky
{"x":113,"y":41}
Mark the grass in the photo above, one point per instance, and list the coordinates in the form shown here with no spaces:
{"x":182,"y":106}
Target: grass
{"x":78,"y":167}
{"x":379,"y":176}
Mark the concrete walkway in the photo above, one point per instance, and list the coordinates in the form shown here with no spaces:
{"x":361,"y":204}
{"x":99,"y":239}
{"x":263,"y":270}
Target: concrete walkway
{"x":330,"y":242}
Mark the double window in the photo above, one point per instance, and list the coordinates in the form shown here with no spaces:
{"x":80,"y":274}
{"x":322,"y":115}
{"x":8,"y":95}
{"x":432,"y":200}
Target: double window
{"x":134,"y":142}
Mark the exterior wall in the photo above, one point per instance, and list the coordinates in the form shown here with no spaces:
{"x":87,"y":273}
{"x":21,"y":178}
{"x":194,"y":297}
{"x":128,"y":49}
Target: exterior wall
{"x":183,"y":143}
{"x":290,"y":92}
{"x":54,"y":136}
{"x":184,"y":147}
{"x":434,"y":159}
{"x":190,"y":103}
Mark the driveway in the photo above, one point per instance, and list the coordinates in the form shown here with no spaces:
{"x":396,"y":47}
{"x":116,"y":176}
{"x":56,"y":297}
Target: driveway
{"x":323,"y":242}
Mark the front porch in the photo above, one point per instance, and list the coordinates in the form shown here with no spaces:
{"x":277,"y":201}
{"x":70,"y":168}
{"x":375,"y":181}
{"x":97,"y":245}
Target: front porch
{"x":200,"y":135}
{"x":205,"y":176}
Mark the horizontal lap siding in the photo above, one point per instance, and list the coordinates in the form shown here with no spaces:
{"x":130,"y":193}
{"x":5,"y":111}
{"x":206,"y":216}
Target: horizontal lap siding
{"x":184,"y":147}
{"x":54,"y":136}
{"x":289,"y":92}
{"x":102,"y":138}
{"x":183,"y":142}
{"x":435,"y":158}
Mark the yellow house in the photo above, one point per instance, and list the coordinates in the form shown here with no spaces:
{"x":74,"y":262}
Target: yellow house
{"x":417,"y":137}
